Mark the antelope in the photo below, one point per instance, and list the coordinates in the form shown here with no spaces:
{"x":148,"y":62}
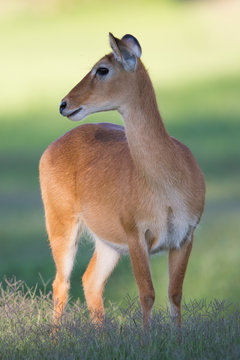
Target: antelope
{"x":136,"y":189}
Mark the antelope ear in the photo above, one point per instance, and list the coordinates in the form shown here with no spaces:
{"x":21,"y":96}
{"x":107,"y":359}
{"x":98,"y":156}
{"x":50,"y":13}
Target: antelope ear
{"x":129,"y":59}
{"x":132,"y":43}
{"x":123,"y":53}
{"x":114,"y":45}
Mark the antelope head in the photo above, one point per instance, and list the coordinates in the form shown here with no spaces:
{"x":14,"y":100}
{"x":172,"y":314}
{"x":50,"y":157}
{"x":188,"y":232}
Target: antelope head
{"x":109,"y":84}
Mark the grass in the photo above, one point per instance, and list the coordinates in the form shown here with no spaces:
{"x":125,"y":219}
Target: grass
{"x":192,"y":53}
{"x":210,"y":330}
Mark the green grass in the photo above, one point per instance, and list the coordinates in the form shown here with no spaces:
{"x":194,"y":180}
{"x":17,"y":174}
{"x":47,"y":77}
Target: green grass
{"x":192,"y":54}
{"x":209,"y":330}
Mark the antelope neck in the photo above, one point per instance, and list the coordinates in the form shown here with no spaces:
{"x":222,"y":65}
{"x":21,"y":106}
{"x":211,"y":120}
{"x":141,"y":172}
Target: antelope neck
{"x":147,"y":137}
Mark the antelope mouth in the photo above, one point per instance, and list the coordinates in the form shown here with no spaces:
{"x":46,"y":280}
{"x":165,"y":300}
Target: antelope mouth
{"x":74,"y":112}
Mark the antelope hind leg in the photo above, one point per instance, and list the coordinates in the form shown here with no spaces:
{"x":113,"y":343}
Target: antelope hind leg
{"x":63,"y":240}
{"x":98,"y":271}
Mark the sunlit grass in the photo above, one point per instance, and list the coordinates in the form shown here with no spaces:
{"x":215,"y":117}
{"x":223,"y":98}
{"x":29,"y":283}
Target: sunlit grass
{"x":44,"y":54}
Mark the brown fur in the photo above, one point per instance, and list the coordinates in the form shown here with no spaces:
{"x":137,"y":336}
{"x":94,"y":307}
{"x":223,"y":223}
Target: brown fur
{"x":120,"y":183}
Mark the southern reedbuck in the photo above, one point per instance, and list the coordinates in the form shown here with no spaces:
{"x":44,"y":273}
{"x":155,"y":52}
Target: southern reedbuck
{"x":135,"y":188}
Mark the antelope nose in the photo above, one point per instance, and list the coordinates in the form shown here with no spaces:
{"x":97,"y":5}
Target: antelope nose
{"x":62,"y":106}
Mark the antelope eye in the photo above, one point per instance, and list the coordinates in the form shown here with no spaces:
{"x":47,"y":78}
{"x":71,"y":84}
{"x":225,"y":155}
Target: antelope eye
{"x":102,"y":71}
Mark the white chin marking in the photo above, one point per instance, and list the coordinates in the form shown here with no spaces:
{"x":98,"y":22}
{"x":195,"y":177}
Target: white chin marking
{"x":77,"y":117}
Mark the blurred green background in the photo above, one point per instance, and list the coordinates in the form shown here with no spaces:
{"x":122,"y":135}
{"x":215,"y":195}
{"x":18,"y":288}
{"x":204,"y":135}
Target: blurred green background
{"x":192,"y":52}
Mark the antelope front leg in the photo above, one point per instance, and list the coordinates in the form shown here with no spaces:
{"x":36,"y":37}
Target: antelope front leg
{"x":141,"y":268}
{"x":178,"y":260}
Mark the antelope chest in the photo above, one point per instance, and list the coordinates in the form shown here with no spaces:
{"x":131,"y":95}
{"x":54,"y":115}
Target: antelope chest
{"x":170,"y":228}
